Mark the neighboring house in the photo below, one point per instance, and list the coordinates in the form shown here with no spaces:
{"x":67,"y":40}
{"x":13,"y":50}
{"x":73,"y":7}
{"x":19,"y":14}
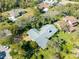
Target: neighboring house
{"x":62,"y":25}
{"x":16,"y":13}
{"x":5,"y":33}
{"x":72,"y":21}
{"x":68,"y":24}
{"x":41,"y":37}
{"x":44,"y":5}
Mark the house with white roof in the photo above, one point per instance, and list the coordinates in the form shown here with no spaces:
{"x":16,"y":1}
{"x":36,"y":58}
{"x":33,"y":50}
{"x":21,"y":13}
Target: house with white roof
{"x":41,"y":37}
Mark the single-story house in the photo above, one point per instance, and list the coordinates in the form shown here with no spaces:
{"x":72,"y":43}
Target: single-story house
{"x":13,"y":14}
{"x":43,"y":7}
{"x":68,"y":24}
{"x":45,"y":4}
{"x":72,"y":21}
{"x":41,"y":37}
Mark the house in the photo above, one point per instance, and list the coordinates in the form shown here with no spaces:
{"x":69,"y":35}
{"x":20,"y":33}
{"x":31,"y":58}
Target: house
{"x":45,"y":4}
{"x":41,"y":37}
{"x":62,"y":25}
{"x":13,"y":14}
{"x":68,"y":24}
{"x":43,"y":7}
{"x":72,"y":21}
